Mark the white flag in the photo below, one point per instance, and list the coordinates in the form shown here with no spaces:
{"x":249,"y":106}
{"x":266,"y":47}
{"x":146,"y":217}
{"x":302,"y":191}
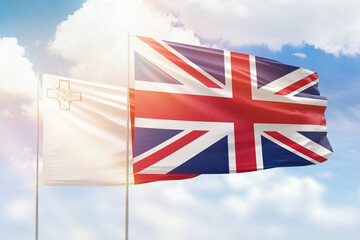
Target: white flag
{"x":84,"y":134}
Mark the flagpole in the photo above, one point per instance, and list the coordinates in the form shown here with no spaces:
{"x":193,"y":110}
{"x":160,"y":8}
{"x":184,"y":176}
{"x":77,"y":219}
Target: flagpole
{"x":127,"y":145}
{"x":37,"y":162}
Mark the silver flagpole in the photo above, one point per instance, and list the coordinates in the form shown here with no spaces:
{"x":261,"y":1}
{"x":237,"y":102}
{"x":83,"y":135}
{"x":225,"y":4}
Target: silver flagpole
{"x":127,"y":146}
{"x":37,"y":162}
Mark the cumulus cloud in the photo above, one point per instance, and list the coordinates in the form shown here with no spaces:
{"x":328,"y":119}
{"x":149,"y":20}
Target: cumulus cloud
{"x":30,"y":109}
{"x":19,"y":163}
{"x":94,"y":38}
{"x":5,"y":112}
{"x":82,"y":233}
{"x":277,"y":204}
{"x":287,"y":196}
{"x":18,"y":81}
{"x":16,"y":76}
{"x":24,"y":161}
{"x":273,"y":203}
{"x":19,"y":210}
{"x":300,"y":55}
{"x":325,"y":24}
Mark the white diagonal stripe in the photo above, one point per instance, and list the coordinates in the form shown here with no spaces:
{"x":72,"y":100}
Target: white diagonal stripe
{"x":217,"y":131}
{"x":190,"y":84}
{"x":179,"y":157}
{"x":160,"y":146}
{"x":267,"y":92}
{"x":291,"y":132}
{"x":287,"y":80}
{"x":299,"y":90}
{"x":307,"y":143}
{"x":190,"y":63}
{"x":290,"y":149}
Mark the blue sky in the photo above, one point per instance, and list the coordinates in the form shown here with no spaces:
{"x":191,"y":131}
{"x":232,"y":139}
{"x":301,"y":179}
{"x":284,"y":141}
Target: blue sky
{"x":85,"y":41}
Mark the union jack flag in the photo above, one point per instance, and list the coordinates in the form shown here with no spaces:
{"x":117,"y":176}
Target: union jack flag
{"x":199,"y":110}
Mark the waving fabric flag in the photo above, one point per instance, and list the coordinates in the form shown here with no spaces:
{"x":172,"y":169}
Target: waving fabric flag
{"x":198,"y":110}
{"x":194,"y":110}
{"x":84,"y":133}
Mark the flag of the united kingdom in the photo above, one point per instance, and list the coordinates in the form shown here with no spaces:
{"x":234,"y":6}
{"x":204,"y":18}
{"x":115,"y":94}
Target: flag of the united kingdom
{"x":198,"y":110}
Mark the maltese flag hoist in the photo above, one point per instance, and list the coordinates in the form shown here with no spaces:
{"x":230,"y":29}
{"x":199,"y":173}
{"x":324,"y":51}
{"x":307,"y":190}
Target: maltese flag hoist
{"x":84,"y":133}
{"x":198,"y":110}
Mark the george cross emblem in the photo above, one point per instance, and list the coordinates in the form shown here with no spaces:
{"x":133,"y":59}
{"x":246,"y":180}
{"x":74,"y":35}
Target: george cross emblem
{"x":64,"y":95}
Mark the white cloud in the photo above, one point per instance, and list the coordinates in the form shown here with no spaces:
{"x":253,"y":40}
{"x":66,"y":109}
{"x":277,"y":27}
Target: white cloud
{"x":355,"y":111}
{"x":19,"y":165}
{"x":326,"y":24}
{"x":24,"y":161}
{"x":345,"y":120}
{"x":326,"y":174}
{"x":16,"y":76}
{"x":6,"y":112}
{"x":286,"y":196}
{"x":30,"y":110}
{"x":179,"y":194}
{"x":300,"y":55}
{"x":18,"y":82}
{"x":37,"y":42}
{"x":277,"y":204}
{"x":81,"y":233}
{"x":94,"y":38}
{"x":19,"y":210}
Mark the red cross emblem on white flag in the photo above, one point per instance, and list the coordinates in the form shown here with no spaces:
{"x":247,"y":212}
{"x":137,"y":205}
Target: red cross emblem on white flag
{"x":64,"y":95}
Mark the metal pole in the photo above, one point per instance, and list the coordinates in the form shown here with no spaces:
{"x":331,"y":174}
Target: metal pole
{"x":37,"y":162}
{"x":127,"y":146}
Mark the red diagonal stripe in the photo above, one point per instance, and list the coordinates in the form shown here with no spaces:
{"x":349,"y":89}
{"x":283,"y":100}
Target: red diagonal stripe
{"x":295,"y":86}
{"x":281,"y":138}
{"x":145,"y":178}
{"x":166,"y":151}
{"x":179,"y":62}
